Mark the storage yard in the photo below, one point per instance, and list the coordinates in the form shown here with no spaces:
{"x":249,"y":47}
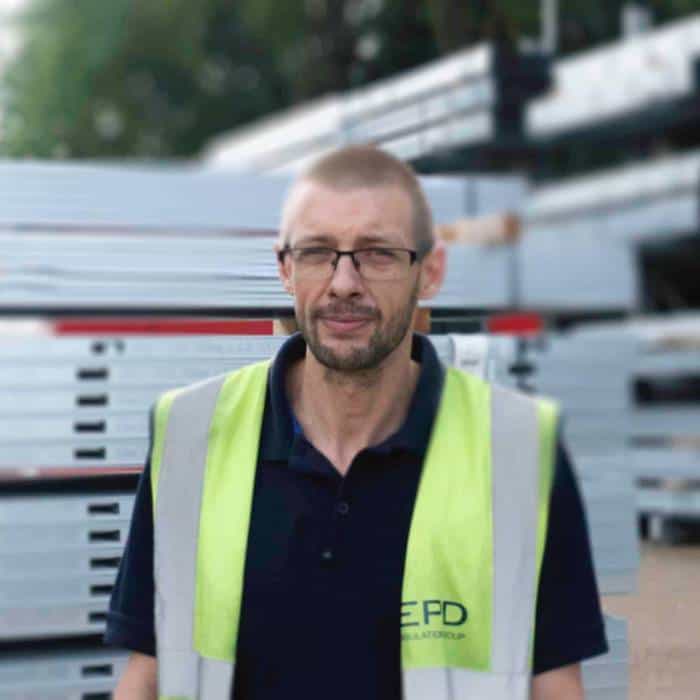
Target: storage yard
{"x":664,"y":618}
{"x":119,"y":282}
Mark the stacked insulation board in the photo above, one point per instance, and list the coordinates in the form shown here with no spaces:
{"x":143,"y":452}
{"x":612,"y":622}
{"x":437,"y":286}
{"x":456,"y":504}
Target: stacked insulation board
{"x":98,"y":238}
{"x":643,"y":201}
{"x":607,"y":677}
{"x":74,"y":541}
{"x":636,"y":385}
{"x":665,"y":419}
{"x":588,"y":373}
{"x":568,"y":224}
{"x":471,"y":99}
{"x":79,"y":403}
{"x":59,"y":556}
{"x":196,"y":272}
{"x":626,"y":82}
{"x":80,"y":674}
{"x":81,"y":238}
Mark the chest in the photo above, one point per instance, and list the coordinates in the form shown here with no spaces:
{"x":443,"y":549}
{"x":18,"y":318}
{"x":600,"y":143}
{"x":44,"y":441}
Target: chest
{"x":312,"y":530}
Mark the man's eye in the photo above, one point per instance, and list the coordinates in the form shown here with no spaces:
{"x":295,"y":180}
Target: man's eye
{"x":380,"y":254}
{"x":314,"y":255}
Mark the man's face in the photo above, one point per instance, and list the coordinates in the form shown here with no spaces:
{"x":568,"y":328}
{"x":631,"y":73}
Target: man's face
{"x":350,"y":323}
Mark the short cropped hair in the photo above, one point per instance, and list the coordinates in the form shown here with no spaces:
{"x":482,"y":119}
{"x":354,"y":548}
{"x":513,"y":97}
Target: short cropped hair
{"x":353,"y":167}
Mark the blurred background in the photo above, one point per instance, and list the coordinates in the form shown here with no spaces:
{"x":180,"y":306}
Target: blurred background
{"x":145,"y":150}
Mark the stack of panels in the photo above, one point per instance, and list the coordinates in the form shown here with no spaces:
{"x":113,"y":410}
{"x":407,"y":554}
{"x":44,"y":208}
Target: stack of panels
{"x":89,"y":399}
{"x":87,"y":674}
{"x":80,"y":403}
{"x":452,"y":102}
{"x":668,"y":394}
{"x":628,"y":78}
{"x":99,"y":238}
{"x":642,"y":201}
{"x":38,"y":195}
{"x":59,"y":556}
{"x":663,"y":412}
{"x":632,"y":403}
{"x":194,"y":272}
{"x":75,"y":541}
{"x":568,"y":274}
{"x":666,"y":463}
{"x":568,"y":224}
{"x":607,"y":677}
{"x":665,"y":420}
{"x":588,"y":373}
{"x":612,"y":516}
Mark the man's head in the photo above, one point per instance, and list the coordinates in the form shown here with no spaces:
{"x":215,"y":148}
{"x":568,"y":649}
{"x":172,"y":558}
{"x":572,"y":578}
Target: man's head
{"x":354,"y":315}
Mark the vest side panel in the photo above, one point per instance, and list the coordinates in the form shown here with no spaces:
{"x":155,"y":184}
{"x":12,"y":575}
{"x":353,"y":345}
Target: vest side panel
{"x":521,"y":502}
{"x":176,"y":521}
{"x":160,"y":424}
{"x":548,"y":420}
{"x":548,"y":415}
{"x":447,"y":597}
{"x":515,"y":440}
{"x":464,"y":684}
{"x":229,"y":482}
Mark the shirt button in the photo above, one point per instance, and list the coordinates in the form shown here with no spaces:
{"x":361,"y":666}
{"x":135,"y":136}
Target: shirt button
{"x":343,"y":508}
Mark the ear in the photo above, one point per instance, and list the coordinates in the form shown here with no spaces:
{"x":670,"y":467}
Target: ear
{"x":284,"y":271}
{"x":433,"y":268}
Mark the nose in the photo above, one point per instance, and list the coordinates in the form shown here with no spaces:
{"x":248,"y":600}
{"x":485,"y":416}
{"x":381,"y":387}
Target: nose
{"x":346,"y":280}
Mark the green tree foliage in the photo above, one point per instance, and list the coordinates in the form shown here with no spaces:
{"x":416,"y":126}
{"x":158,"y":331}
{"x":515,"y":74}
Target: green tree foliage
{"x":133,"y":78}
{"x":159,"y":78}
{"x":586,"y":23}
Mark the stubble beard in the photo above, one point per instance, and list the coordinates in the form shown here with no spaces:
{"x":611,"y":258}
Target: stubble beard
{"x":359,"y":360}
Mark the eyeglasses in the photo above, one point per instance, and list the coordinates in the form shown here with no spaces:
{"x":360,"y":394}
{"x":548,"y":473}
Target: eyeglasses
{"x":372,"y":264}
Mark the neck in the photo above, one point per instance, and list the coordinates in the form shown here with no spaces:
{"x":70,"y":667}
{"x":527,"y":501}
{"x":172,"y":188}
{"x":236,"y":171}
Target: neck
{"x":342,"y":413}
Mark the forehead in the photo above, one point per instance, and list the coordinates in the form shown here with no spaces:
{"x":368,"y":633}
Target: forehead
{"x":348,"y":214}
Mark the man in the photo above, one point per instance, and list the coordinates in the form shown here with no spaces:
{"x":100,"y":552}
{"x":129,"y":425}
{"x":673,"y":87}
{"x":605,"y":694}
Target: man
{"x":352,"y":541}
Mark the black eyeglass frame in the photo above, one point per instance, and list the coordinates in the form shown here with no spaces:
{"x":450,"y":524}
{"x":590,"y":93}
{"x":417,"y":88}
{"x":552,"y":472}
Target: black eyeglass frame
{"x":413,"y":254}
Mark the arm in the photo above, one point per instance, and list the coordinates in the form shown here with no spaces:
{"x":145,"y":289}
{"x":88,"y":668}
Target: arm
{"x":569,"y":624}
{"x":563,"y":683}
{"x":139,"y":680}
{"x":130,"y":619}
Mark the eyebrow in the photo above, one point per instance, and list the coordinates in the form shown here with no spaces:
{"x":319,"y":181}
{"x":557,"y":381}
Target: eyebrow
{"x":364,"y":240}
{"x":320,"y":238}
{"x":381,"y":239}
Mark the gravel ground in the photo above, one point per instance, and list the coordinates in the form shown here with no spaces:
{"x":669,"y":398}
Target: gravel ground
{"x":664,"y":623}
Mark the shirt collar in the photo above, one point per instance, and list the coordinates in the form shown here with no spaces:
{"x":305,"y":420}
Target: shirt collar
{"x":279,"y":424}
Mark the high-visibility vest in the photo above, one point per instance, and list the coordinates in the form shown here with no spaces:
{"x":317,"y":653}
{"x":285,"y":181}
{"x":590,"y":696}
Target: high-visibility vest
{"x":473,"y":556}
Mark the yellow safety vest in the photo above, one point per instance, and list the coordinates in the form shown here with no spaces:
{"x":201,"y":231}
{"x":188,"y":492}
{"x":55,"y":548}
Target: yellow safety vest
{"x":474,"y":550}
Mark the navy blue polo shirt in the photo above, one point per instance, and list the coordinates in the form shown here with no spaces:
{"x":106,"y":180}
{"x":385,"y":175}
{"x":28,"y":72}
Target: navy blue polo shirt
{"x":324,"y":565}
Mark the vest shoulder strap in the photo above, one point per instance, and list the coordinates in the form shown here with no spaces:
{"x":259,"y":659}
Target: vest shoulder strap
{"x":192,"y":397}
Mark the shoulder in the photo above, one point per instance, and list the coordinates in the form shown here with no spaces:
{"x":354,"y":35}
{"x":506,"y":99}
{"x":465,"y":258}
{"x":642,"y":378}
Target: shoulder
{"x":505,"y":397}
{"x":250,"y":374}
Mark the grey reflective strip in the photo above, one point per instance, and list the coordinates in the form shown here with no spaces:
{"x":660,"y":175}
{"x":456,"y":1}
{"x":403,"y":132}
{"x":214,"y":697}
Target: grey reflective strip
{"x":470,"y":685}
{"x":178,"y":672}
{"x":216,"y":679}
{"x":515,"y":483}
{"x":426,"y":684}
{"x":463,"y":684}
{"x":176,"y":530}
{"x":204,"y":679}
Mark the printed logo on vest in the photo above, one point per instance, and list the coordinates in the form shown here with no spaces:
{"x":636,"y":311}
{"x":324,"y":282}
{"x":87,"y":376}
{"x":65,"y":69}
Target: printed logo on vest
{"x":434,"y":619}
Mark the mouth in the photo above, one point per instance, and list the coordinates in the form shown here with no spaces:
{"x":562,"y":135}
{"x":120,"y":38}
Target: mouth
{"x":345,"y":324}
